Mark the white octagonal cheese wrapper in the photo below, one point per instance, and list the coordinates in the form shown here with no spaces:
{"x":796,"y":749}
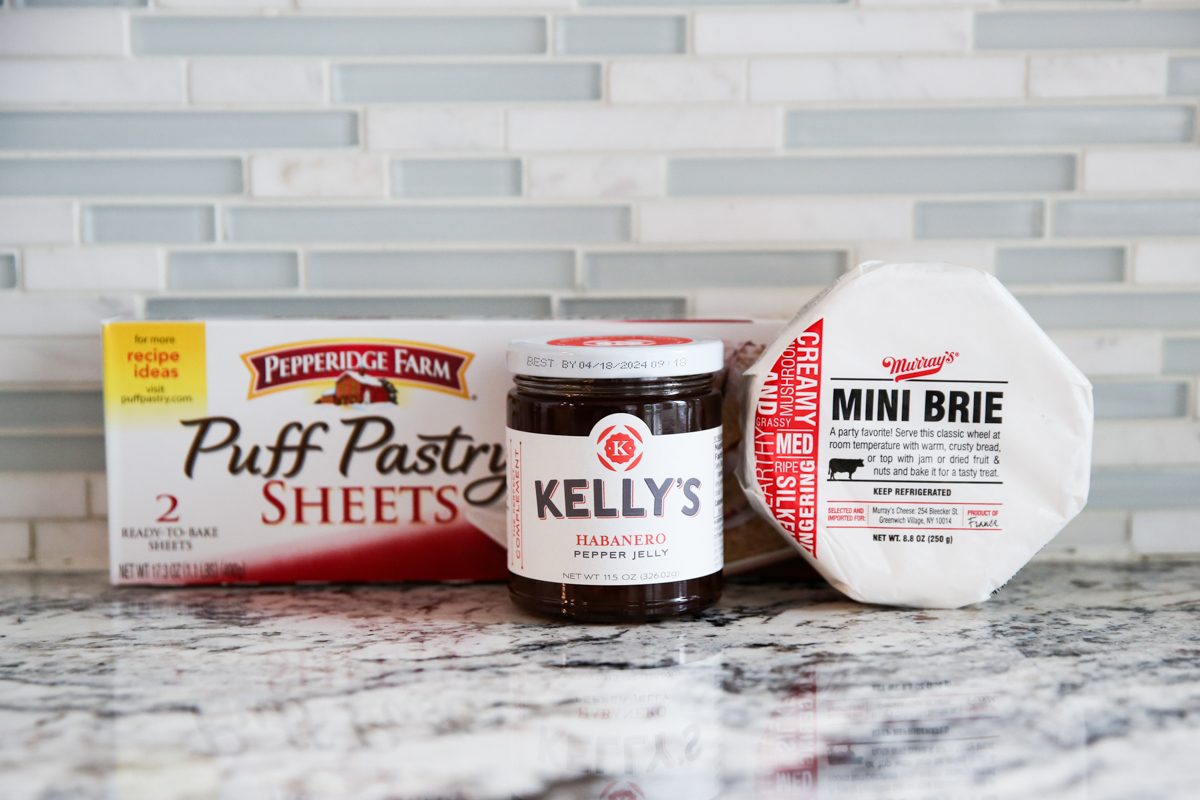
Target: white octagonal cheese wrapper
{"x":916,"y":435}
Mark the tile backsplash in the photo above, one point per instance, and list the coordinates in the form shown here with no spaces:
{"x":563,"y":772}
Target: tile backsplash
{"x":591,"y":158}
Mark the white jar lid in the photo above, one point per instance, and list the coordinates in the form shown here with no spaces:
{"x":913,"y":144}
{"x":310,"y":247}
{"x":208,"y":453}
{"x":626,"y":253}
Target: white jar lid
{"x":609,"y":356}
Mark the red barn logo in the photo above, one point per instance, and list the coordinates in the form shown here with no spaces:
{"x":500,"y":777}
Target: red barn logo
{"x":361,"y":371}
{"x":353,"y":389}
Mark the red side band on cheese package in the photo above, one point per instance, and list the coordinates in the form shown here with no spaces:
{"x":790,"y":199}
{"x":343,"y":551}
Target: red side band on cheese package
{"x":787,"y":437}
{"x":916,"y":436}
{"x":323,"y":450}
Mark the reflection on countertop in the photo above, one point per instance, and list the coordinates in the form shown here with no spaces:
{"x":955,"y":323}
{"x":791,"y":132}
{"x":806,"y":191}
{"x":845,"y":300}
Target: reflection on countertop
{"x":1076,"y":681}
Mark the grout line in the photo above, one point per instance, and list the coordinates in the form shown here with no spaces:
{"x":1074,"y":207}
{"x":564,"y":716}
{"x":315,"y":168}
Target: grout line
{"x":161,"y":257}
{"x":218,"y":209}
{"x":126,"y":34}
{"x":302,"y":268}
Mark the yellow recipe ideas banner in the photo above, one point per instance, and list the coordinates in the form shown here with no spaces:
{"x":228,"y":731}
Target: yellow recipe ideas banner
{"x":154,"y":372}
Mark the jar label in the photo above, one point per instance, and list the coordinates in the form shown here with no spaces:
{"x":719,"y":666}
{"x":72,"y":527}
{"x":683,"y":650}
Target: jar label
{"x":619,"y":507}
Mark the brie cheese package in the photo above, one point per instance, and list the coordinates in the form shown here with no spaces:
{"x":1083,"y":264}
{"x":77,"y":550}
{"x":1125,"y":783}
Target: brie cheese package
{"x":337,"y":450}
{"x":916,"y":435}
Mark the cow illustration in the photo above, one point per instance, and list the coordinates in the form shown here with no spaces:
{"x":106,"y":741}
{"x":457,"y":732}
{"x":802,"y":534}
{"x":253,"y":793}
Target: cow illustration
{"x":846,"y":465}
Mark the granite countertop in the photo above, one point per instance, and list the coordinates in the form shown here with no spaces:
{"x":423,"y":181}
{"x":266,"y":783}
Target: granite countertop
{"x":1076,"y":681}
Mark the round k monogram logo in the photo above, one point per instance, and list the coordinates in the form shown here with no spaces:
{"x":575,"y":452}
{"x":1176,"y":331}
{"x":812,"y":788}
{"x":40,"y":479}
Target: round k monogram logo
{"x":619,"y":448}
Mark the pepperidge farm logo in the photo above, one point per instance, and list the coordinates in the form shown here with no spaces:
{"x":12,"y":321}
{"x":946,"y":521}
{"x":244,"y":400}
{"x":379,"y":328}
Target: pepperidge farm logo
{"x":905,"y":369}
{"x":358,"y":371}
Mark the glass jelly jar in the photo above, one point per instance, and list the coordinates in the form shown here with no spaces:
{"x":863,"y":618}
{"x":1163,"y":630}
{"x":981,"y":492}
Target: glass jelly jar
{"x":614,"y":475}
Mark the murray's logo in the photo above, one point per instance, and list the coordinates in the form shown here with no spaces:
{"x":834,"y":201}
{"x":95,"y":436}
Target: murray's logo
{"x":358,"y":371}
{"x":904,"y":369}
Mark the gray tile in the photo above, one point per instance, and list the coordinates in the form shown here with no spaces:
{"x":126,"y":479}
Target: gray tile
{"x":729,"y":3}
{"x":492,"y":83}
{"x":521,"y":307}
{"x":333,"y":36}
{"x":475,"y":177}
{"x":620,"y":271}
{"x":1006,"y":220}
{"x":169,"y":130}
{"x":8,"y":271}
{"x":1149,"y":400}
{"x":1060,"y":264}
{"x":75,"y":314}
{"x":441,"y":269}
{"x":984,"y":126}
{"x":51,"y":410}
{"x":1127,"y":218}
{"x":622,"y":308}
{"x":1106,"y":310}
{"x":1181,"y":356}
{"x":428,"y":224}
{"x":80,"y":3}
{"x":1172,"y":488}
{"x":1060,"y":30}
{"x":232,"y":270}
{"x":890,"y":175}
{"x":120,"y":176}
{"x":51,"y":453}
{"x":621,"y":35}
{"x":1184,"y":76}
{"x":150,"y":224}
